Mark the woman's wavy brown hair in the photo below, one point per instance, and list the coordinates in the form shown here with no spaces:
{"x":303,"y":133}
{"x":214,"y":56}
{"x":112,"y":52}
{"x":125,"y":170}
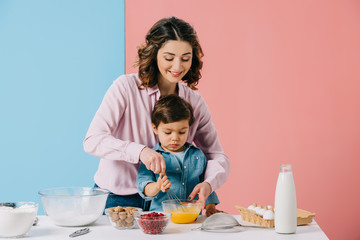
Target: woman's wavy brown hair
{"x":168,"y":29}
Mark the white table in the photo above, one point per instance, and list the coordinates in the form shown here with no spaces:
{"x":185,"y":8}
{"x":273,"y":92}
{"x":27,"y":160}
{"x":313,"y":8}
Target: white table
{"x":102,"y":229}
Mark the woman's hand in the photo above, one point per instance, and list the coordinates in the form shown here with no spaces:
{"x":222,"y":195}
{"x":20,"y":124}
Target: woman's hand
{"x":211,"y":209}
{"x":153,"y":161}
{"x":203,"y":190}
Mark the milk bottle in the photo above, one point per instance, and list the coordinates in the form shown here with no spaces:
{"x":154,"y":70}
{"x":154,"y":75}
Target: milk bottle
{"x":285,"y":201}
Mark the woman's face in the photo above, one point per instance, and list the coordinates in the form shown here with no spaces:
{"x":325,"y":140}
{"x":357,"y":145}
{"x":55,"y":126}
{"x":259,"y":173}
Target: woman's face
{"x":174,"y":61}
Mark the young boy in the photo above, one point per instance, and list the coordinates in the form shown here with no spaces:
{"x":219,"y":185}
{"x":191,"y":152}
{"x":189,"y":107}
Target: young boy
{"x":185,"y":164}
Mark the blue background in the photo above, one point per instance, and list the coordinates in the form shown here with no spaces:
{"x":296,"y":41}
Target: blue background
{"x":57,"y":59}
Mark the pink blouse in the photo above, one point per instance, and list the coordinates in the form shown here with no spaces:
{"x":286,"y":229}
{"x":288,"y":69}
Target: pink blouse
{"x":121,"y":128}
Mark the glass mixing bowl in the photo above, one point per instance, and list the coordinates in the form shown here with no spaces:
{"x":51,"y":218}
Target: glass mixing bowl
{"x":182,"y":211}
{"x":152,"y":222}
{"x":74,"y":206}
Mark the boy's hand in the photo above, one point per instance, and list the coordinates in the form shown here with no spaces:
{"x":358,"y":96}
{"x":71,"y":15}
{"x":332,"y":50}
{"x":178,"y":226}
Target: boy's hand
{"x":163,"y":182}
{"x":203,"y":190}
{"x":153,"y":160}
{"x":211,"y":209}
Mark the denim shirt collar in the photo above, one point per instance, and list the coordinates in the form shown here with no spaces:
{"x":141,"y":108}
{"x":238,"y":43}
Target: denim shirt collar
{"x":187,"y":145}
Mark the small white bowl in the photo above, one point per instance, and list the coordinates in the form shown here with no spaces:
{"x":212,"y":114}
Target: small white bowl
{"x":17,"y":221}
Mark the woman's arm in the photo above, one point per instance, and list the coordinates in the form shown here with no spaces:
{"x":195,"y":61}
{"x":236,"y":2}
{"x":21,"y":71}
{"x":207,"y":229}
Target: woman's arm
{"x":111,"y":117}
{"x":100,"y":140}
{"x":218,"y":165}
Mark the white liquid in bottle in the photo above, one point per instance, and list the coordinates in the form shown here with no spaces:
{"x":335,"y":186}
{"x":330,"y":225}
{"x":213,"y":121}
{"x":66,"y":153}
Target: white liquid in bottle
{"x":285,"y":201}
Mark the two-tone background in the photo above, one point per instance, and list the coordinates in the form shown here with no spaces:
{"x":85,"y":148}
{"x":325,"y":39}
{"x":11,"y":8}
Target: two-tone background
{"x":281,"y":79}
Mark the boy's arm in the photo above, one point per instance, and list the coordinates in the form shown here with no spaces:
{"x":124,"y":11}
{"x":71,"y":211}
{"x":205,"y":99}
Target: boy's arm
{"x":144,"y":178}
{"x":153,"y":188}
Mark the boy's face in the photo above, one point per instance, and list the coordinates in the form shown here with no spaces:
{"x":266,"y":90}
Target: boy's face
{"x":172,"y":136}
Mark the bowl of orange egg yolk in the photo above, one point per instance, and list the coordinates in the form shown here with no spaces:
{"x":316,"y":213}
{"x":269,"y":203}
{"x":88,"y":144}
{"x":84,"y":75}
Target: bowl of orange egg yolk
{"x":182,"y":211}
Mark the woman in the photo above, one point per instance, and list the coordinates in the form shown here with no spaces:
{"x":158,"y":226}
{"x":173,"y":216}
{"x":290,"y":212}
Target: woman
{"x":121,"y":132}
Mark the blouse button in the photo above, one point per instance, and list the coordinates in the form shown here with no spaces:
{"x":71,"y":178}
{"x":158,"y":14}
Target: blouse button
{"x":197,"y":157}
{"x":183,"y":183}
{"x":184,"y":166}
{"x":177,"y":169}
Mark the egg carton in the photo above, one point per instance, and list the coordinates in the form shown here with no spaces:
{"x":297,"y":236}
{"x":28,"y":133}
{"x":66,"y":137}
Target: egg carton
{"x":303,"y":217}
{"x":249,"y":215}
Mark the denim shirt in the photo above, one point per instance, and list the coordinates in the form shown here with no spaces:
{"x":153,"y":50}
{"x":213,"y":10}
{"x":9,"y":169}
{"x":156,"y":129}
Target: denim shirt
{"x":183,"y":177}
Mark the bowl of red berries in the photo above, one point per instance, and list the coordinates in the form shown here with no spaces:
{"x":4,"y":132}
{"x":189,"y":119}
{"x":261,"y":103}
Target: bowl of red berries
{"x":152,"y":222}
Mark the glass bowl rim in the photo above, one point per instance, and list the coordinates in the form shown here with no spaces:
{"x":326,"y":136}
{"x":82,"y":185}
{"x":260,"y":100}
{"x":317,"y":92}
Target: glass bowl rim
{"x":101,"y":191}
{"x":183,"y":202}
{"x":138,"y":209}
{"x":138,"y":214}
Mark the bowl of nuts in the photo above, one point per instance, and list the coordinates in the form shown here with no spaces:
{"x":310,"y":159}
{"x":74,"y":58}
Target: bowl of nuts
{"x":122,"y":217}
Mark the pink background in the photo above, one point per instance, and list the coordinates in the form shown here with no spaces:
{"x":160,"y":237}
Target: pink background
{"x":281,"y":79}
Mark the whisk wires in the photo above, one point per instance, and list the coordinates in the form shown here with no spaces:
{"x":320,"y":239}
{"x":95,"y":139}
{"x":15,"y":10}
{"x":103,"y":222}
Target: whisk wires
{"x":172,"y":196}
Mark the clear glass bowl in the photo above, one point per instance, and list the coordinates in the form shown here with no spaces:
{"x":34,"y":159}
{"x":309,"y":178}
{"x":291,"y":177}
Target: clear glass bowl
{"x":16,"y":221}
{"x":152,"y":224}
{"x":182,"y":211}
{"x":74,"y":206}
{"x":122,"y":217}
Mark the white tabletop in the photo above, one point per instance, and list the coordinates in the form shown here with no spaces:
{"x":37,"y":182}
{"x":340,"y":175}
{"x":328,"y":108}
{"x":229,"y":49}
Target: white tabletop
{"x":102,"y":229}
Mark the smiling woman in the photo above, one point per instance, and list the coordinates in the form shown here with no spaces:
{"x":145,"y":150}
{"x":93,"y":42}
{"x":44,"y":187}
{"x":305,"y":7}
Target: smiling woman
{"x":121,"y":133}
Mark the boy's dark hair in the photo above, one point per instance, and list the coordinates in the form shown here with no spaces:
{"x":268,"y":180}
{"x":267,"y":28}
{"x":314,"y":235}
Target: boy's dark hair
{"x":171,"y":108}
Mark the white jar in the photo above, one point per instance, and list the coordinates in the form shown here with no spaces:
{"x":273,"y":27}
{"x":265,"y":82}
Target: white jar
{"x":285,"y":201}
